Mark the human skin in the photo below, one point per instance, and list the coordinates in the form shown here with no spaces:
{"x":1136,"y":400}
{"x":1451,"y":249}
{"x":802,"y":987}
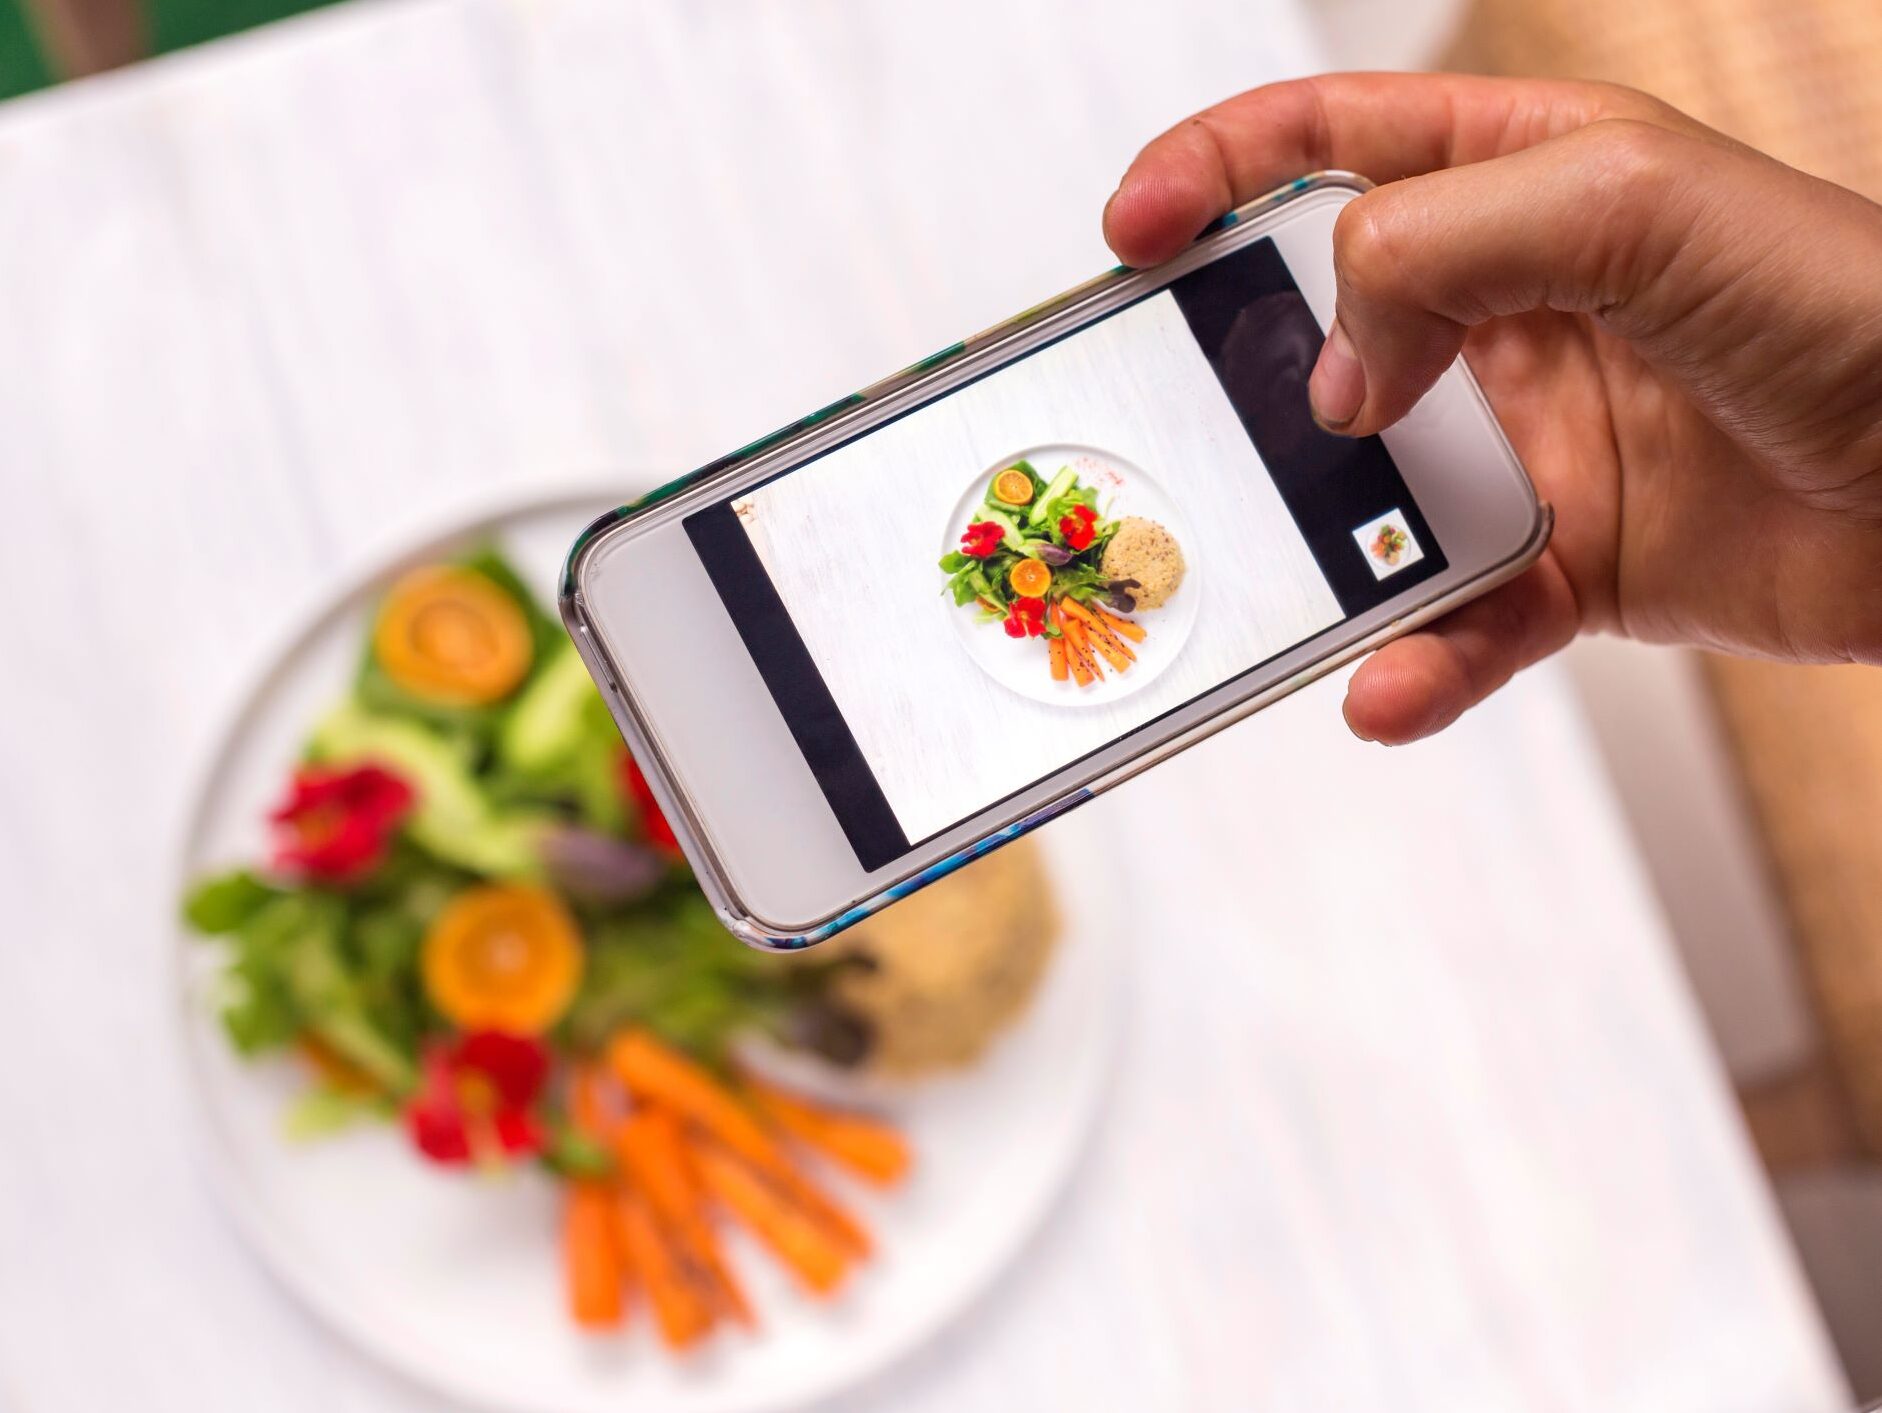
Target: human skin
{"x":1682,"y":337}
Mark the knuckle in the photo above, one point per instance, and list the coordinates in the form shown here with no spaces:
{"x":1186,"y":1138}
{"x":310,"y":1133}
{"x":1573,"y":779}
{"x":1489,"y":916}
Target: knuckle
{"x":1298,"y":105}
{"x":1631,"y":156}
{"x":1632,"y":171}
{"x":1618,"y":101}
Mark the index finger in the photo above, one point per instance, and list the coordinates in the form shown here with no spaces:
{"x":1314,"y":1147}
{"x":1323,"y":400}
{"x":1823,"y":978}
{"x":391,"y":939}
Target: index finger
{"x":1383,"y":126}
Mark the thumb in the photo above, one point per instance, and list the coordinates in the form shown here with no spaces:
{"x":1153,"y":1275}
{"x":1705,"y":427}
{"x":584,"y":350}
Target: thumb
{"x":1583,"y":222}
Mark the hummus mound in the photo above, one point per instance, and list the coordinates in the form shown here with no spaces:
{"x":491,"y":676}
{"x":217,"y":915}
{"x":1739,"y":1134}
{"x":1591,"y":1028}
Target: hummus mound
{"x":1143,"y":550}
{"x":944,"y":971}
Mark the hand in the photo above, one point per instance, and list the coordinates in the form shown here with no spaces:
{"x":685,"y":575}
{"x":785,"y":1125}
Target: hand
{"x":1681,"y":336}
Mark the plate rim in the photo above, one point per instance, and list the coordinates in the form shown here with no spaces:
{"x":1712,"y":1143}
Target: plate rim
{"x":311,"y":1287}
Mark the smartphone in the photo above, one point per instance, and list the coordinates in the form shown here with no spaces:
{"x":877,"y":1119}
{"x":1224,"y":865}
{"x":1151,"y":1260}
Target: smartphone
{"x":927,"y":618}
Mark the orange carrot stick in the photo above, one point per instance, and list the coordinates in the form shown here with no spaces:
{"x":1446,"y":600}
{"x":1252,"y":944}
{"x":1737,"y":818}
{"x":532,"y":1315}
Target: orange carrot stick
{"x":865,"y":1146}
{"x":1108,"y":642}
{"x":591,"y":1259}
{"x":1082,"y":641}
{"x":652,"y":1152}
{"x":826,"y":1212}
{"x":1113,"y":652}
{"x":647,"y":1146}
{"x":1076,"y":660}
{"x":1055,"y":654}
{"x":1123,"y":627}
{"x":1073,"y":644}
{"x":681,"y":1315}
{"x":800,"y":1243}
{"x":659,"y":1074}
{"x":1113,"y":637}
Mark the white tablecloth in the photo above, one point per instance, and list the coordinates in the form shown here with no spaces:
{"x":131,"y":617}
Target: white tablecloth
{"x":1414,"y":1110}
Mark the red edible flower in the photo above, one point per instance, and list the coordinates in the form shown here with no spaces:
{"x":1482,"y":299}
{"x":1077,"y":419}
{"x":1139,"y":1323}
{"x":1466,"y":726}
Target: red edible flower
{"x":334,"y":825}
{"x":474,"y":1100}
{"x":1026,"y":618}
{"x":1079,"y":527}
{"x":983,"y":537}
{"x":653,"y":824}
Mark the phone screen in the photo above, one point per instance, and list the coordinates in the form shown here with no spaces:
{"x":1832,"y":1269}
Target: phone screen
{"x":955,"y":605}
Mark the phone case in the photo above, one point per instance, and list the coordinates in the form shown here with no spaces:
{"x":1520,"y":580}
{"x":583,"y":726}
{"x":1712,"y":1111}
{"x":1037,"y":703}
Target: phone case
{"x":713,"y":880}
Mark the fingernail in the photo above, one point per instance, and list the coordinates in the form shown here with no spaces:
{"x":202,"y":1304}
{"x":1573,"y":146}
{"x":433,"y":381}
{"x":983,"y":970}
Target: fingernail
{"x":1338,"y":384}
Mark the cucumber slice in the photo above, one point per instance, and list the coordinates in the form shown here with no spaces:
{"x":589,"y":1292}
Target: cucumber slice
{"x":1061,"y":483}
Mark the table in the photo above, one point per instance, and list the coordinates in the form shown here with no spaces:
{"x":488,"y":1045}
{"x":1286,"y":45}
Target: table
{"x":1415,"y":1111}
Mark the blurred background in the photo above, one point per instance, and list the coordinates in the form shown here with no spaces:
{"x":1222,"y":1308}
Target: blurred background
{"x":1751,"y":793}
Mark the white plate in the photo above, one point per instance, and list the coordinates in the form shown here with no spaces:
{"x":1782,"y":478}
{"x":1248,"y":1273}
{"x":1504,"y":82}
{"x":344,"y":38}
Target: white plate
{"x":1020,"y":663}
{"x":453,"y":1280}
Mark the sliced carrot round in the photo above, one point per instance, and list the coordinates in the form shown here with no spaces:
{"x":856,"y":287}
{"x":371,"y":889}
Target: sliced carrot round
{"x":1013,"y":487}
{"x":1030,"y":579}
{"x":502,"y":956}
{"x":448,"y":634}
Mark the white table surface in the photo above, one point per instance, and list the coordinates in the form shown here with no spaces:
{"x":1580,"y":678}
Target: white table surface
{"x":1414,"y":1110}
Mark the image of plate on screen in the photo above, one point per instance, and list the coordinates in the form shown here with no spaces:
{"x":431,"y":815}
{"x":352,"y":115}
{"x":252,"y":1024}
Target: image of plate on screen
{"x":1067,"y":574}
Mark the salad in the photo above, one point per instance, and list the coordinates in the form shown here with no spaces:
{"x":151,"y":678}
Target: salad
{"x":475,"y":924}
{"x":1388,"y":546}
{"x":1033,"y":561}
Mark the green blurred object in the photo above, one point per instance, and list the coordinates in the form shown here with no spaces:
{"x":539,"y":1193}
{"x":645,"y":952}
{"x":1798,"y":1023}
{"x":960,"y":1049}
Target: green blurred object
{"x":21,"y":68}
{"x":174,"y":24}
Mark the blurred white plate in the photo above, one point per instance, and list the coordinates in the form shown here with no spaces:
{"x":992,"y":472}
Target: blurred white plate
{"x":454,"y":1281}
{"x":1020,"y":664}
